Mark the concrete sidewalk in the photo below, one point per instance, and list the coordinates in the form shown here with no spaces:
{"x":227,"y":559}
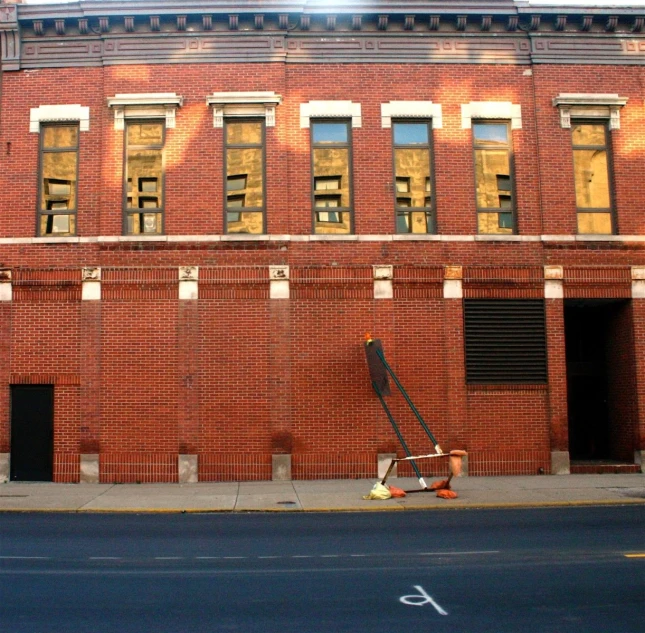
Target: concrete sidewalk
{"x":320,"y":496}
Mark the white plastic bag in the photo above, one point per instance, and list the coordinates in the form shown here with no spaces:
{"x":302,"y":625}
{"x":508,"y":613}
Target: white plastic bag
{"x":379,"y":491}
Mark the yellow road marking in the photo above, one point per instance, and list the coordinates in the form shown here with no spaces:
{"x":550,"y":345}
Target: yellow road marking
{"x":634,"y":555}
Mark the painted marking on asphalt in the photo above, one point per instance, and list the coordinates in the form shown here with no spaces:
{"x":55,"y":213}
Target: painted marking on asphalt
{"x":634,"y":555}
{"x":293,"y":556}
{"x":421,"y":599}
{"x":459,"y":553}
{"x":168,"y":572}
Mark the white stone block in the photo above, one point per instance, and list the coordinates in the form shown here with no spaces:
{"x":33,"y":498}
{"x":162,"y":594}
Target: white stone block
{"x":453,"y":289}
{"x":281,"y":467}
{"x":384,"y":461}
{"x":187,"y":465}
{"x":90,"y":468}
{"x":383,"y":289}
{"x":4,"y":467}
{"x":560,"y":463}
{"x":553,"y":289}
{"x":188,"y":290}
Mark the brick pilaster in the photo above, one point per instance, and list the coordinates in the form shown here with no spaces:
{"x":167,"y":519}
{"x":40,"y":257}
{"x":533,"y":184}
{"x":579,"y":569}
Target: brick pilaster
{"x":90,"y":374}
{"x":556,"y":354}
{"x":455,"y":359}
{"x":188,"y":330}
{"x":280,"y":377}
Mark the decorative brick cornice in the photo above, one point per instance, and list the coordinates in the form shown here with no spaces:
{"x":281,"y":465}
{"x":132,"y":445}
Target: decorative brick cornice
{"x":9,"y":38}
{"x":92,"y":33}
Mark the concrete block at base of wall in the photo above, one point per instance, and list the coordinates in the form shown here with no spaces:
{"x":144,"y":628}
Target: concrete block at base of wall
{"x":464,"y":467}
{"x":89,"y":468}
{"x":4,"y":468}
{"x":281,"y":467}
{"x":639,"y":458}
{"x":187,"y":466}
{"x":560,"y":463}
{"x":384,"y":460}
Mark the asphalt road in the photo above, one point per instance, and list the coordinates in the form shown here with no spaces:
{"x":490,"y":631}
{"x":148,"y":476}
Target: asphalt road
{"x":541,"y":570}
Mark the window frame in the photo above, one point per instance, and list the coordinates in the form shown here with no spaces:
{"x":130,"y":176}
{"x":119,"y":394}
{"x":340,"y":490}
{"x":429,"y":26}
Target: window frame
{"x":350,"y":160}
{"x":41,"y":153}
{"x":128,"y":211}
{"x":431,"y":210}
{"x":511,"y":169}
{"x":611,"y":210}
{"x":249,"y":119}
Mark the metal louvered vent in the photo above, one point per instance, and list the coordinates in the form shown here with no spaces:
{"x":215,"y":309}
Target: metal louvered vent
{"x":505,"y":341}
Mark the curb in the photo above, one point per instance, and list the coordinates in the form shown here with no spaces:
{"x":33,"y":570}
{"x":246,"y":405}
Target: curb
{"x":272,"y":510}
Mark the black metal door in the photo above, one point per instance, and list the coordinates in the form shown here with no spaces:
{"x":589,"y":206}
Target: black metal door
{"x":32,"y":432}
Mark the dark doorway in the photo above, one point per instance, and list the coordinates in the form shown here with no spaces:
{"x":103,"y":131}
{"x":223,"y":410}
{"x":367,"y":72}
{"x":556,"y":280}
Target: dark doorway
{"x":32,"y":432}
{"x":599,"y":354}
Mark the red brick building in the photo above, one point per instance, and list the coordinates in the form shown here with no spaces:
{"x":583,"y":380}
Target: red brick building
{"x":204,"y":211}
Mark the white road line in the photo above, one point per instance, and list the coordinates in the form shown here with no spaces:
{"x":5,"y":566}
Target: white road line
{"x":185,"y":573}
{"x":303,"y":556}
{"x":459,"y":553}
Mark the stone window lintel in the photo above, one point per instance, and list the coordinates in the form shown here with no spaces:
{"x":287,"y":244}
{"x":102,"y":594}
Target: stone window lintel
{"x":59,"y":114}
{"x":145,"y":106}
{"x":330,"y":109}
{"x":589,"y":106}
{"x":241,"y":104}
{"x":411,"y":110}
{"x":491,"y":110}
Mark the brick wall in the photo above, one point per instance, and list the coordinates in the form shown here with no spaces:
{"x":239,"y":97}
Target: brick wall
{"x":237,"y":376}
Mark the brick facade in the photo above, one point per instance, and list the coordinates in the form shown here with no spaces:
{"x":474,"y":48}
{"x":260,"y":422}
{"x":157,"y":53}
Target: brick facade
{"x":237,"y":374}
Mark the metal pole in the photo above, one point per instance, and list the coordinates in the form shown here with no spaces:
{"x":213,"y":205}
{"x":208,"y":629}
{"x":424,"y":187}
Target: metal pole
{"x":407,"y":398}
{"x":398,"y":434}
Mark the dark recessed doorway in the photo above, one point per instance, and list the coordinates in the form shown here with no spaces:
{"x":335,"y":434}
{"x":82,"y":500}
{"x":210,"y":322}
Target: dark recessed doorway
{"x":600,"y":374}
{"x":32,"y":433}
